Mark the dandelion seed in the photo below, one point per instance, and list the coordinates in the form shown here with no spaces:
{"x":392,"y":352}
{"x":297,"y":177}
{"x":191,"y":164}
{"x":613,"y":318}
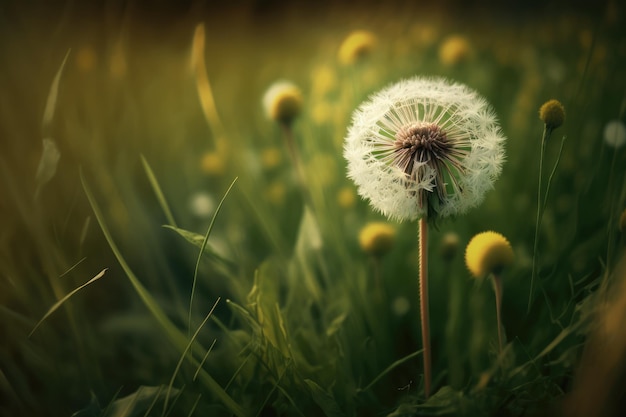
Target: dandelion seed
{"x":424,"y":143}
{"x":615,"y":134}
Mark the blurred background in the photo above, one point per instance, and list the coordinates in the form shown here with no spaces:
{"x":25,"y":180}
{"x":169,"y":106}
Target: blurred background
{"x":180,"y":83}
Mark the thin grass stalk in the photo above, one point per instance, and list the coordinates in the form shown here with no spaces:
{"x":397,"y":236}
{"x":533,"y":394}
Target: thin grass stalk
{"x":544,"y":137}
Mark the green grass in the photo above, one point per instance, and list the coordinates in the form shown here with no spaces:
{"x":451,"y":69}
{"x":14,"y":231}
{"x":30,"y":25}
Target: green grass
{"x":301,"y":327}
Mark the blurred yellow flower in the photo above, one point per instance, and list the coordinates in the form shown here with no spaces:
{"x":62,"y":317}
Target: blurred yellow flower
{"x":321,"y":112}
{"x":488,"y":252}
{"x":356,"y":46}
{"x":324,"y":80}
{"x":377,"y":238}
{"x":271,"y":158}
{"x":453,"y":50}
{"x":213,"y":163}
{"x":552,"y":113}
{"x":275,"y":193}
{"x":86,"y":59}
{"x":346,"y":197}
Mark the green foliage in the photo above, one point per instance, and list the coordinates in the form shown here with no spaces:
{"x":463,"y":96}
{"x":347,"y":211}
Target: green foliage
{"x":308,"y":323}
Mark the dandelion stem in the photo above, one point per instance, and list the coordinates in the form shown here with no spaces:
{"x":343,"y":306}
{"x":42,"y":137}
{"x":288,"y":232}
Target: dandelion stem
{"x":423,"y":291}
{"x":556,"y":164}
{"x":544,"y":138}
{"x":295,"y":156}
{"x":497,"y":288}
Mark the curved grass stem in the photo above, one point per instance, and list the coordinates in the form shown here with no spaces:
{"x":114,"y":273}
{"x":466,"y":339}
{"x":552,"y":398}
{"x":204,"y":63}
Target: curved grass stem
{"x":544,"y":137}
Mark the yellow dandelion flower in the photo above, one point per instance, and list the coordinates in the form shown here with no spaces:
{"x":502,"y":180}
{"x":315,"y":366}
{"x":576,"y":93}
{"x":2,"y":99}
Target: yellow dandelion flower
{"x":377,"y":238}
{"x":346,"y":197}
{"x":86,"y":59}
{"x":454,"y":50}
{"x":488,"y":252}
{"x":271,"y":158}
{"x":324,"y":80}
{"x":552,"y":113}
{"x":321,"y":112}
{"x":283,"y":102}
{"x":275,"y":193}
{"x":213,"y":163}
{"x":356,"y":46}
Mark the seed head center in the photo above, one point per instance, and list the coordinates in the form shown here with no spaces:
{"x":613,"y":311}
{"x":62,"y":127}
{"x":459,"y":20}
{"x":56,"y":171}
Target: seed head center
{"x":422,"y":138}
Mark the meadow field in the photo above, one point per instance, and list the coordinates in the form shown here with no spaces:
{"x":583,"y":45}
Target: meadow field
{"x":173,"y":242}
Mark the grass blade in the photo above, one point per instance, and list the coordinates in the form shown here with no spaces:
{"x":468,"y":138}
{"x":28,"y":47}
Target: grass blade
{"x":391,"y":368}
{"x":184,"y":354}
{"x":203,"y":247}
{"x":64,"y":299}
{"x":175,"y":335}
{"x":158,"y":192}
{"x":48,"y":113}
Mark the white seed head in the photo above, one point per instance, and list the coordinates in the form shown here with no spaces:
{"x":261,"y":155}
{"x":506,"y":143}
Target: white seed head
{"x":615,"y":134}
{"x":424,"y":147}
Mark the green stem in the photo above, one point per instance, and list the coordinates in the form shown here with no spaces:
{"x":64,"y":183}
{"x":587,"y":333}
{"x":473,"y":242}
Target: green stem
{"x":497,"y":288}
{"x":423,"y":293}
{"x":545,"y":136}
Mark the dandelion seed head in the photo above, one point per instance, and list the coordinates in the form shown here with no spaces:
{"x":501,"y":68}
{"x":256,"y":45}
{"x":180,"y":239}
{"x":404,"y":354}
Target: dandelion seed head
{"x":424,"y":146}
{"x":615,"y":134}
{"x":488,"y":252}
{"x":202,"y":205}
{"x":283,"y":101}
{"x":400,"y":306}
{"x":552,"y":113}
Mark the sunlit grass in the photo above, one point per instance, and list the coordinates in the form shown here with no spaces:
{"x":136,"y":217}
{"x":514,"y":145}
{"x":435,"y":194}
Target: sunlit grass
{"x":308,"y":323}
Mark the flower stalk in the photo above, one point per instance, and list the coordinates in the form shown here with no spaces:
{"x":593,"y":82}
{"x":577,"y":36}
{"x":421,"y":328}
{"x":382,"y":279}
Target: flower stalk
{"x":423,"y":294}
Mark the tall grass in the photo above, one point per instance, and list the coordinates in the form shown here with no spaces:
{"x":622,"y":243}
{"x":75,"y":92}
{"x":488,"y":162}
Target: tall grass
{"x":302,"y":327}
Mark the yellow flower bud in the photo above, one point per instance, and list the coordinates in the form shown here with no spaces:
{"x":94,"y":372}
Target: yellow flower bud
{"x":488,"y":252}
{"x":377,"y":238}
